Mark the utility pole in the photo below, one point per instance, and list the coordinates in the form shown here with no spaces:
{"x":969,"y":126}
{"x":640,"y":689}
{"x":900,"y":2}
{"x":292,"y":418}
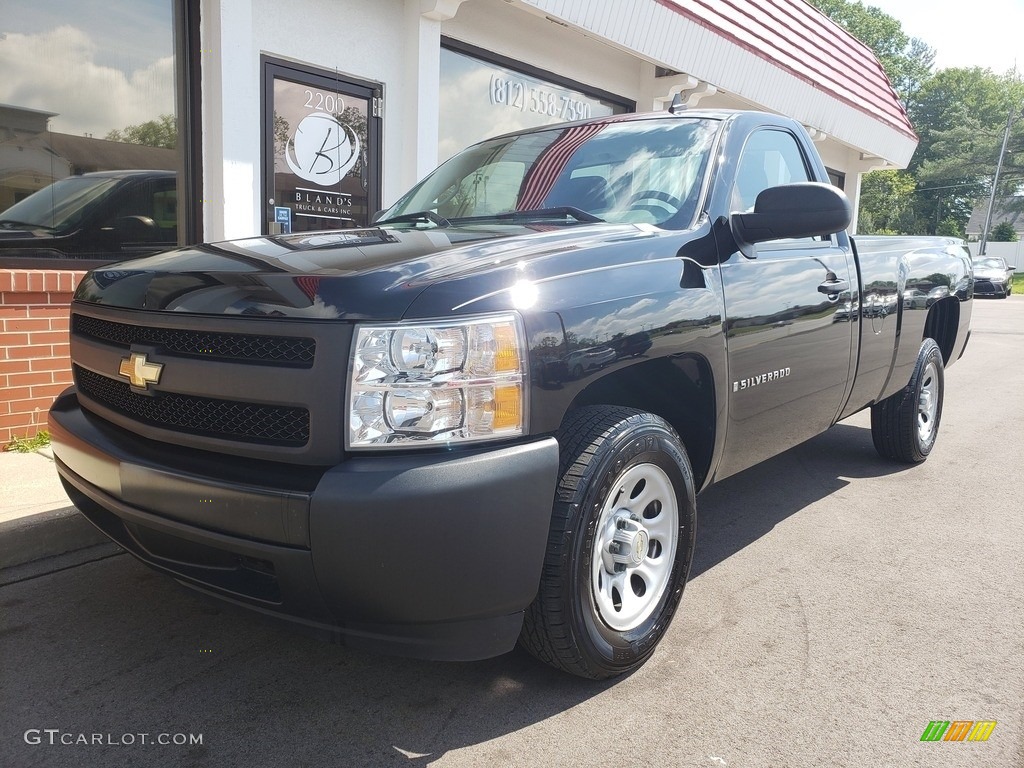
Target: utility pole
{"x":995,"y":182}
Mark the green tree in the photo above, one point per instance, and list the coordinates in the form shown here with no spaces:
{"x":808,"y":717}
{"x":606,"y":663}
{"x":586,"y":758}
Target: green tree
{"x":162,"y":132}
{"x":952,"y":227}
{"x":1003,"y":232}
{"x":887,"y":203}
{"x":961,"y":121}
{"x":959,"y":114}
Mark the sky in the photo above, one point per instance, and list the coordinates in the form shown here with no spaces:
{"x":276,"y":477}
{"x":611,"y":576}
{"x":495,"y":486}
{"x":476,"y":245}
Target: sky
{"x":982,"y":33}
{"x":111,"y":66}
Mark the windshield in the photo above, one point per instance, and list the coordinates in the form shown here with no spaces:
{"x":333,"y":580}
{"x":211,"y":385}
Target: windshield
{"x":624,"y":172}
{"x":989,"y":264}
{"x":60,"y":206}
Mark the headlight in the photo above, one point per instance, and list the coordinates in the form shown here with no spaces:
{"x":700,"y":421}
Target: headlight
{"x":437,"y":382}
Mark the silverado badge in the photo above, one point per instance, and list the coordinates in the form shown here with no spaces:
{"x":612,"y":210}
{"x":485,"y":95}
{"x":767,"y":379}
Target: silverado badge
{"x":139,"y":371}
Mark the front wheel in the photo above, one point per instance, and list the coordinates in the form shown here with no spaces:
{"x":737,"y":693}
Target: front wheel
{"x":905,"y":425}
{"x":620,"y":546}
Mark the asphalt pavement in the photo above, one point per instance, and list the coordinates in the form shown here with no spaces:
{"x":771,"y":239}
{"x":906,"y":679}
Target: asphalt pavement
{"x":838,"y":604}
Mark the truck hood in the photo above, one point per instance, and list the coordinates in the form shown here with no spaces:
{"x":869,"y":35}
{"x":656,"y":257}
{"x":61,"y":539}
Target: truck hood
{"x":372,"y":273}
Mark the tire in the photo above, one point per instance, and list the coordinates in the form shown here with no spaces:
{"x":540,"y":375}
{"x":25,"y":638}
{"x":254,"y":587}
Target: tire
{"x":904,"y":427}
{"x":625,"y":485}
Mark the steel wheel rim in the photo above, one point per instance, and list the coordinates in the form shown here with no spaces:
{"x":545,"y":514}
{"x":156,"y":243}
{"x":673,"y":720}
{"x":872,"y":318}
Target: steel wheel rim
{"x":642,"y":503}
{"x":928,"y":403}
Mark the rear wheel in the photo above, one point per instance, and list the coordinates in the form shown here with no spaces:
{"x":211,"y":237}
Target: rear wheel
{"x":905,"y":426}
{"x":620,"y":546}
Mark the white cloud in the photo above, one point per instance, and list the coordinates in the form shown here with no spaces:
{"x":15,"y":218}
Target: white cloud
{"x":57,"y":71}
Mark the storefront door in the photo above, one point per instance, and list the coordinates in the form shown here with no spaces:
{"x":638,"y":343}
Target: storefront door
{"x":321,"y":149}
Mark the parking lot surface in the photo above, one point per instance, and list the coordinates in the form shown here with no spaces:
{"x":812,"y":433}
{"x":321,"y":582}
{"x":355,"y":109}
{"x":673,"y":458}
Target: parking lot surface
{"x":838,"y":604}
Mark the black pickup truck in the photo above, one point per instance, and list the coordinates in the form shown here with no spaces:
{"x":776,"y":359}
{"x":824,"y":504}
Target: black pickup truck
{"x":487,"y":417}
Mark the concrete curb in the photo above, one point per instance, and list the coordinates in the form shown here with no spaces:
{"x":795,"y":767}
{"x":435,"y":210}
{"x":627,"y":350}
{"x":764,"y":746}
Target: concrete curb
{"x":39,"y":527}
{"x":45,"y":534}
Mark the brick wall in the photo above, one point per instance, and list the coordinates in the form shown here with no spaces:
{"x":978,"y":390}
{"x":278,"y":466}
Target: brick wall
{"x":34,"y":364}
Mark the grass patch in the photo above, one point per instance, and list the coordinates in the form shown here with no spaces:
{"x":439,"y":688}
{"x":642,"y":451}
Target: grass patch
{"x":1018,"y":281}
{"x":29,"y":444}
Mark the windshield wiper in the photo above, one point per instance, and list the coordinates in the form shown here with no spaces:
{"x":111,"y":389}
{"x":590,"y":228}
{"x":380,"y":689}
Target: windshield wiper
{"x":430,"y":216}
{"x":562,"y":212}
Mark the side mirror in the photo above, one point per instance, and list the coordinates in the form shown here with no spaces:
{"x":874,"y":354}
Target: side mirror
{"x":807,"y":209}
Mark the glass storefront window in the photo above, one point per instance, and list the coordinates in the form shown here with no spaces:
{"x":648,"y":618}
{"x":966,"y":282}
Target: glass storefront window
{"x":88,"y":129}
{"x":481,"y":98}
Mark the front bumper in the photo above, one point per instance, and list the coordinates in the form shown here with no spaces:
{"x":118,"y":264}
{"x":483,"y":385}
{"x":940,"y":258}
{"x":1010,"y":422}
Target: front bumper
{"x":427,"y":555}
{"x":985,"y":287}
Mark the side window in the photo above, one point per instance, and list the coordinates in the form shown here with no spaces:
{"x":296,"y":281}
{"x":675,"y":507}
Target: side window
{"x":770,"y":158}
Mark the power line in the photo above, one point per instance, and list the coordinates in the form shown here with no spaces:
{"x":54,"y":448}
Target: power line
{"x":948,"y":186}
{"x":964,"y":184}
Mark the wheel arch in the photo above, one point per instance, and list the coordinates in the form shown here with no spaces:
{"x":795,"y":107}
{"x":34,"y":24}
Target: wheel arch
{"x":942,"y":325}
{"x":680,"y":389}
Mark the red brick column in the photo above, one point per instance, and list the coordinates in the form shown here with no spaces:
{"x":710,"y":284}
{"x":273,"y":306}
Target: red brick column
{"x":34,"y":364}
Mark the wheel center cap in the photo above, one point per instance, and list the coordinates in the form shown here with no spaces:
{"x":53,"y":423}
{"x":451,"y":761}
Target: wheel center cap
{"x":629,"y":543}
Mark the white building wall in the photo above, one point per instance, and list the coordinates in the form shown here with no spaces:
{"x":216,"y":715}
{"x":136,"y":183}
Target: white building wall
{"x":418,"y":131}
{"x":231,"y":120}
{"x":366,"y":40}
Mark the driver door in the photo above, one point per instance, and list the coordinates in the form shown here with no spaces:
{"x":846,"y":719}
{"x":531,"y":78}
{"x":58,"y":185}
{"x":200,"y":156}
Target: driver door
{"x":790,"y":322}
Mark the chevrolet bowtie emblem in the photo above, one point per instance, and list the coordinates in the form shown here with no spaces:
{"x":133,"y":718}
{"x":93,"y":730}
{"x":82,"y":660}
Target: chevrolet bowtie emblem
{"x":140,"y":372}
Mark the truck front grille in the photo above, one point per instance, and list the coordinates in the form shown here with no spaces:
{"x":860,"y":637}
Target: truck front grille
{"x":240,"y":347}
{"x":228,"y":419}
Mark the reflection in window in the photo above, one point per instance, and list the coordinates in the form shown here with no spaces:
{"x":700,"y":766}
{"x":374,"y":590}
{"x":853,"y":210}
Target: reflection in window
{"x":480,"y":99}
{"x":770,"y":158}
{"x":88,"y":88}
{"x":60,"y":207}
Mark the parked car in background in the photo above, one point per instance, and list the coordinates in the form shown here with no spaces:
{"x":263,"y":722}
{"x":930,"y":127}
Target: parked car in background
{"x":992,"y":276}
{"x":105,"y":215}
{"x":589,"y":359}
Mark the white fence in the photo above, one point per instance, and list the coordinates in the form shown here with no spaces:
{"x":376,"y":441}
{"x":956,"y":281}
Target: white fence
{"x":1012,"y":252}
